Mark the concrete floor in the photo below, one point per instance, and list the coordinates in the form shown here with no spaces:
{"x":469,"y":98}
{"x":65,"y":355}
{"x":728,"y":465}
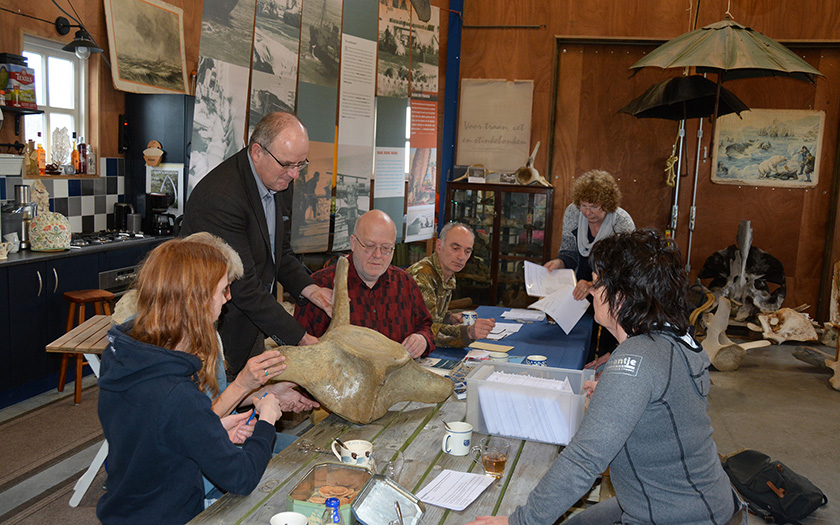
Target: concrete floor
{"x":785,"y":408}
{"x":774,"y":403}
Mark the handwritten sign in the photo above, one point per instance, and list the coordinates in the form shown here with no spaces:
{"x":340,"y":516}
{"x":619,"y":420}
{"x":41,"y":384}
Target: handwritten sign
{"x":494,"y":128}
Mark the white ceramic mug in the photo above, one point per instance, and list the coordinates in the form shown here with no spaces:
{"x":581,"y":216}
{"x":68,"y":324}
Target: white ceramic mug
{"x":357,"y":452}
{"x":5,"y":248}
{"x":536,"y":360}
{"x":289,"y":518}
{"x":457,"y":439}
{"x":468,"y":317}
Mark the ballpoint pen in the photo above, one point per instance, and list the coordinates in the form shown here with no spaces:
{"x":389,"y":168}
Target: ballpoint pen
{"x":254,"y":413}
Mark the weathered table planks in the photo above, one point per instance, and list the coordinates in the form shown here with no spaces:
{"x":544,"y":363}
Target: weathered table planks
{"x":415,"y":428}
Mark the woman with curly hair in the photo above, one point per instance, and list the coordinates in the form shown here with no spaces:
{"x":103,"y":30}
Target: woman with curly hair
{"x":594,"y":214}
{"x":648,"y":417}
{"x":162,"y":432}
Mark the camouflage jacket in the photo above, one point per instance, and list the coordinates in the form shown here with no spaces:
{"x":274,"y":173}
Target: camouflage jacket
{"x":437,"y":294}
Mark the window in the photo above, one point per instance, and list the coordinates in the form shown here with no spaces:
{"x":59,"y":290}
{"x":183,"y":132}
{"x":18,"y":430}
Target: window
{"x":59,"y":91}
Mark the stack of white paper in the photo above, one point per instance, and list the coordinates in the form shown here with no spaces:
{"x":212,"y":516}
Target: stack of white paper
{"x":556,"y":289}
{"x":501,"y":330}
{"x":530,"y":413}
{"x":454,"y":490}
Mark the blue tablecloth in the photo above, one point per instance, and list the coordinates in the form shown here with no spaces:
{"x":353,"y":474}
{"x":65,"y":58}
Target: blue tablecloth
{"x":562,"y":351}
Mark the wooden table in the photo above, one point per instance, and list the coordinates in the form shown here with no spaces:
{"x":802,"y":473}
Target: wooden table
{"x":415,"y":428}
{"x":89,"y":338}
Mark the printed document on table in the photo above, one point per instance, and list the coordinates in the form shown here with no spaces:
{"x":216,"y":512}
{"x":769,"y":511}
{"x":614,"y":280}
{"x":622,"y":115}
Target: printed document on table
{"x":454,"y":490}
{"x":539,"y":282}
{"x":563,"y":308}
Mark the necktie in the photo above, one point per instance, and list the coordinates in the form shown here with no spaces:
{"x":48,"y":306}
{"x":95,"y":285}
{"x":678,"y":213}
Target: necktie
{"x":268,"y":206}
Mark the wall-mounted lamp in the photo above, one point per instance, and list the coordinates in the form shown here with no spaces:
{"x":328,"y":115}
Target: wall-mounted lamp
{"x":83,"y":45}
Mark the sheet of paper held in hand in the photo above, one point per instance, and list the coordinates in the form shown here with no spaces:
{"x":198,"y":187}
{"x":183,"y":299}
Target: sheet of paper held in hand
{"x":556,"y":289}
{"x":454,"y":490}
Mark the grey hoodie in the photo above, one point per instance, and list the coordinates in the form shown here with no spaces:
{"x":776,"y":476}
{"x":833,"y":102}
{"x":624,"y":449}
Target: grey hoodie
{"x":648,"y":422}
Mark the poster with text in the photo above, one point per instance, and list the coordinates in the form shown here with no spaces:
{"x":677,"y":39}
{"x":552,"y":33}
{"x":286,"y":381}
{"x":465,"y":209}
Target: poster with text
{"x":494,"y":124}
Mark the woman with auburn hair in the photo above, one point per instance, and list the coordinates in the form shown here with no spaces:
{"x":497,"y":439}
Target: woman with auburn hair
{"x":648,"y":417}
{"x":162,"y":432}
{"x":593,"y":215}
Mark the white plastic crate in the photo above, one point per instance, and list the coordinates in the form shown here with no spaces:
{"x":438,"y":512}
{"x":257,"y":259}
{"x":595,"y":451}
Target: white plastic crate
{"x":538,"y":414}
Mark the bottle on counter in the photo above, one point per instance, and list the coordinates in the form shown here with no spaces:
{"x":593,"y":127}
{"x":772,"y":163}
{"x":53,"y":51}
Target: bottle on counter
{"x":30,"y":159}
{"x":331,"y":513}
{"x":74,"y":155}
{"x":91,"y":160}
{"x":82,"y":147}
{"x":2,"y":97}
{"x":42,"y":157}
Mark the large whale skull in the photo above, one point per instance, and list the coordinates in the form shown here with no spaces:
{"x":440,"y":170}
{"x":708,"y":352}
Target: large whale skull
{"x":356,"y":372}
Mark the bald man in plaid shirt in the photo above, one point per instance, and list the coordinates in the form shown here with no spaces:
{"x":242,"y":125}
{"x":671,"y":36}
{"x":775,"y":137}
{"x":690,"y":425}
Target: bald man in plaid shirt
{"x":382,"y":297}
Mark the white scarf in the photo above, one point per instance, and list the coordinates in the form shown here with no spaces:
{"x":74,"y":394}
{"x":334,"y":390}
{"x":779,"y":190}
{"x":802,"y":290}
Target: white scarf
{"x":583,"y":232}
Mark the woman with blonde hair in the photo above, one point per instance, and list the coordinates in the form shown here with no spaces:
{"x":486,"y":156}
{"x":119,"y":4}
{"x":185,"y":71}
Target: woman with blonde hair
{"x":161,"y":430}
{"x":594,"y":214}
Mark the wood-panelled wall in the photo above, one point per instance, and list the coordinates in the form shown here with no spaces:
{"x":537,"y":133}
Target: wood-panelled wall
{"x":594,"y":82}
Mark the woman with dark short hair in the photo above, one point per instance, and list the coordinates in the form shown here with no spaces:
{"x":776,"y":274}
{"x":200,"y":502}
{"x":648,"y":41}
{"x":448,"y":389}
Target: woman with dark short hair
{"x":647,"y":420}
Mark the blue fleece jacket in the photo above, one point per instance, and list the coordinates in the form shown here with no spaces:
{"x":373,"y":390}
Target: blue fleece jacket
{"x":162,"y":434}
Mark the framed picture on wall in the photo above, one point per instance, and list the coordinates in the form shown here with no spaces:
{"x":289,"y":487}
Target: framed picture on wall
{"x":168,"y":179}
{"x":769,"y":147}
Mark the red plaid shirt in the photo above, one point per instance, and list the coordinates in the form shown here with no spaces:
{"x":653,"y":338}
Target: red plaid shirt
{"x":394,"y":307}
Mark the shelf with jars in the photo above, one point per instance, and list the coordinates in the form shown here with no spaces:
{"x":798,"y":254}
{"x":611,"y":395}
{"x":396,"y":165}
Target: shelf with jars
{"x":512,"y":225}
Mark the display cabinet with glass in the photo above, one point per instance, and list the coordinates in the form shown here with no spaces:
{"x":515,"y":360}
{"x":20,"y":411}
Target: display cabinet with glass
{"x":512,"y":225}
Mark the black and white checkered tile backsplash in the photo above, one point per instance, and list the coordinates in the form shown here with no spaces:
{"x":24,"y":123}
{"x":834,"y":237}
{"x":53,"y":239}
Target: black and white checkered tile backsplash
{"x":87,"y":203}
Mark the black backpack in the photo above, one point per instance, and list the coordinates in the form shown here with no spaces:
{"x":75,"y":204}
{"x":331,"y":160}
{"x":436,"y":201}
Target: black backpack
{"x":772,"y":490}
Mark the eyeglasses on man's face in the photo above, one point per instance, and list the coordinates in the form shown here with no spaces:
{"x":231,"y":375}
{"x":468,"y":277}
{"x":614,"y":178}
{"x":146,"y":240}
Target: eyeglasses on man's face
{"x":384,"y":249}
{"x":288,"y":166}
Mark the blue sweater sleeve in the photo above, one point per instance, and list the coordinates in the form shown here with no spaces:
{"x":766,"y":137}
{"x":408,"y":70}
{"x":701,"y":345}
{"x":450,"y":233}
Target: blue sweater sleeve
{"x":190,"y":428}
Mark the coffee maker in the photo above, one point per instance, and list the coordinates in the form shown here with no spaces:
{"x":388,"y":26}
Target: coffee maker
{"x":17,"y":216}
{"x":160,"y":222}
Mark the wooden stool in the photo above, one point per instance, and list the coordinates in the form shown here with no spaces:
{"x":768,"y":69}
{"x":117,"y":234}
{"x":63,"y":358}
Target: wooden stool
{"x":100,"y":300}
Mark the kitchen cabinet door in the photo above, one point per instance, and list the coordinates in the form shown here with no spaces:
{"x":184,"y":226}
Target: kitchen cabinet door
{"x":38,"y":312}
{"x":5,"y":340}
{"x":28,"y":324}
{"x":66,"y":275}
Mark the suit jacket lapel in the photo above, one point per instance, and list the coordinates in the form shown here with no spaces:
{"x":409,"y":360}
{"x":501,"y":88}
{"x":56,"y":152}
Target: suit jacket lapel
{"x":254,"y":198}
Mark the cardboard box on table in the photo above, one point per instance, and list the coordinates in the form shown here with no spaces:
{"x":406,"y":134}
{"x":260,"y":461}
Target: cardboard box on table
{"x":527,"y":401}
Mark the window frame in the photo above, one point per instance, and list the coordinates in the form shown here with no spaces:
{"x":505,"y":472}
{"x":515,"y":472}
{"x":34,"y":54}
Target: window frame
{"x":46,"y":49}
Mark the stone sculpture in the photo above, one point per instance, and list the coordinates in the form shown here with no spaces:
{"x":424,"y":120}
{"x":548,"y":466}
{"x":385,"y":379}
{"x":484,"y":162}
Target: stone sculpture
{"x":356,"y":372}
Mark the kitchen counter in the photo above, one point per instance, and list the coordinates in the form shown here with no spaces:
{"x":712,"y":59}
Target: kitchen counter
{"x":28,"y":256}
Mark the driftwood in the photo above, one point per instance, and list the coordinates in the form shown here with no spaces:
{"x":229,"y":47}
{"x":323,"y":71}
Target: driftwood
{"x":725,"y":354}
{"x":356,"y":372}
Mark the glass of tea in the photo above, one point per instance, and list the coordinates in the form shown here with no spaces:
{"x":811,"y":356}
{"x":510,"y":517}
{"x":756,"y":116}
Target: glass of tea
{"x":493,"y":454}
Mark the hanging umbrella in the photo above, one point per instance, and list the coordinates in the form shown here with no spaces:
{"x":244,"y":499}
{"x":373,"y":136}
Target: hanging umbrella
{"x":731,"y":50}
{"x":681,"y":98}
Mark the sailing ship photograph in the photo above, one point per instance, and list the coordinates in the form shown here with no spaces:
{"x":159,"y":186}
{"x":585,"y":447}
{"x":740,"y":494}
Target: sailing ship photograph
{"x":320,"y":42}
{"x":226,"y":30}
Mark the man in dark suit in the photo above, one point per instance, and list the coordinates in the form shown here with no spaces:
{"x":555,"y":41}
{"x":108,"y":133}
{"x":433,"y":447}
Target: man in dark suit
{"x":241,"y":201}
